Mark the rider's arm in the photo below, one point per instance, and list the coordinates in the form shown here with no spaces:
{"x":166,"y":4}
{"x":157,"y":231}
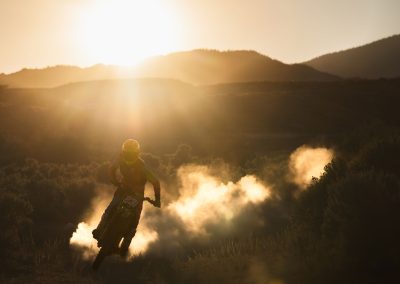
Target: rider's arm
{"x":113,"y":171}
{"x":156,"y":185}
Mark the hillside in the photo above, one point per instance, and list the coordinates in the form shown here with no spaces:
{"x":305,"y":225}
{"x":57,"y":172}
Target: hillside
{"x":379,"y":59}
{"x":57,"y":75}
{"x":214,"y":67}
{"x":55,"y":145}
{"x":195,"y":67}
{"x":230,"y":120}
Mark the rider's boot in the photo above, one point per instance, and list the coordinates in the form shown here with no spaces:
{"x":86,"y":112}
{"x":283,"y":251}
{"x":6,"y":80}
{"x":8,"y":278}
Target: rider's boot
{"x":100,"y":227}
{"x":106,"y":216}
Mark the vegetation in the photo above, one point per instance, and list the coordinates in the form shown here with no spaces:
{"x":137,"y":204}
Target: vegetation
{"x":342,"y":228}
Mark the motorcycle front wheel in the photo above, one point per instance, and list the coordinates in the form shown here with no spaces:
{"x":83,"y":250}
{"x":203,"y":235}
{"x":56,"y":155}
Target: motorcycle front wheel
{"x":99,"y":259}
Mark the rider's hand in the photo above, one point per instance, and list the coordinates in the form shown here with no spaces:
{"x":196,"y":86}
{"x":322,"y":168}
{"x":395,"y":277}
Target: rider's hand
{"x":157,"y":203}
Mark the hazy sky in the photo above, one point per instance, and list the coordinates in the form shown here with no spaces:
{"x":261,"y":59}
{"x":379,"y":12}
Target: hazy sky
{"x":37,"y":33}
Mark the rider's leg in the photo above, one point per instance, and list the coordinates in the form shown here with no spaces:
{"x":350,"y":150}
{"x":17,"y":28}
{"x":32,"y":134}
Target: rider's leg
{"x":107,"y":213}
{"x":129,"y":236}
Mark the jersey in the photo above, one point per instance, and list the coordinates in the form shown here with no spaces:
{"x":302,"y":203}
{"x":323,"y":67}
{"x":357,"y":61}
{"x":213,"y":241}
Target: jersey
{"x":134,"y":175}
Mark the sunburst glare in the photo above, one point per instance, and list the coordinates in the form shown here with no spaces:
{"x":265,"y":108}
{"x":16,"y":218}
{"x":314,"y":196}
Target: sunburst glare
{"x":125,"y":32}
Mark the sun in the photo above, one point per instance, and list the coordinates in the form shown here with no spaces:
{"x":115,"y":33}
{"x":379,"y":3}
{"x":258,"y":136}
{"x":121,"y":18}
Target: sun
{"x":125,"y":32}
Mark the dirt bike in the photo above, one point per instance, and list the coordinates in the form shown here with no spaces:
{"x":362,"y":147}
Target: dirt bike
{"x":117,"y":228}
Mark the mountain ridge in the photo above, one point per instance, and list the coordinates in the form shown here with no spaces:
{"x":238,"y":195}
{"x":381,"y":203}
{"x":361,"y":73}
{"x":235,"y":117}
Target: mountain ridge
{"x":377,"y":59}
{"x":199,"y":67}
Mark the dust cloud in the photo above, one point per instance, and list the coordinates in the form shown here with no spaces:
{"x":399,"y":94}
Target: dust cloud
{"x":206,"y":207}
{"x":82,"y":237}
{"x":203,"y":201}
{"x":306,"y":162}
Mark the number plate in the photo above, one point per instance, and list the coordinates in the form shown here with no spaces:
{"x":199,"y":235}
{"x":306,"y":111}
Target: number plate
{"x":130,"y":202}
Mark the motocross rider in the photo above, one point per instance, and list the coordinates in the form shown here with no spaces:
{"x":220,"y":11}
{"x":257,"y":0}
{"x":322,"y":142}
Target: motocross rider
{"x":134,"y":174}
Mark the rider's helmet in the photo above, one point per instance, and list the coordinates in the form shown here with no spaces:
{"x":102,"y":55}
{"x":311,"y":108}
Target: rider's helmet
{"x":130,"y":151}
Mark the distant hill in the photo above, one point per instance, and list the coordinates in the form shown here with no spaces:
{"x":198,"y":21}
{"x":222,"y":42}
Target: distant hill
{"x":214,"y":67}
{"x":57,"y":75}
{"x":379,"y":59}
{"x":195,"y":67}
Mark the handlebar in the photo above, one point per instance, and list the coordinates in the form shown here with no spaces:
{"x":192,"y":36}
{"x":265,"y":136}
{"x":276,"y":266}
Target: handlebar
{"x":151,"y":201}
{"x":148,"y":199}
